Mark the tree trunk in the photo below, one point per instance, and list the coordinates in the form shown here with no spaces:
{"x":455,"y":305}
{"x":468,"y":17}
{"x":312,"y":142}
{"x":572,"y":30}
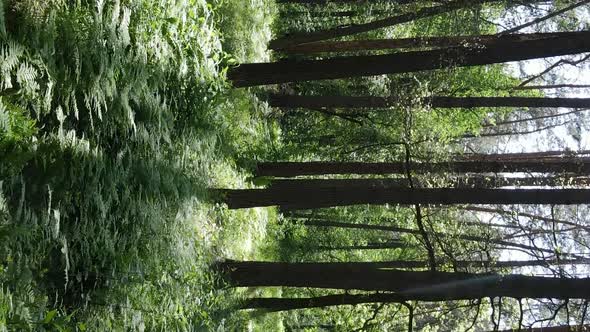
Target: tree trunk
{"x":292,"y":169}
{"x":287,"y":184}
{"x":304,"y":70}
{"x":527,"y":215}
{"x":368,"y":102}
{"x":368,"y":246}
{"x":310,"y":37}
{"x":346,"y":13}
{"x":474,"y":238}
{"x":466,"y":264}
{"x":282,"y":304}
{"x":416,"y":42}
{"x":472,"y":181}
{"x":325,"y":2}
{"x":523,"y":156}
{"x":536,"y":118}
{"x":314,"y":198}
{"x":559,"y":328}
{"x":554,"y":86}
{"x":409,"y":285}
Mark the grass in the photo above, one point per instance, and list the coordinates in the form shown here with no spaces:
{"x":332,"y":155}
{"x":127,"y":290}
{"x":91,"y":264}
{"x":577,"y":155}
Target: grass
{"x":115,"y":118}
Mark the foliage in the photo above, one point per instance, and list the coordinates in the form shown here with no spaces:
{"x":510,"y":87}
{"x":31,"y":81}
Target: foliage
{"x":115,"y":117}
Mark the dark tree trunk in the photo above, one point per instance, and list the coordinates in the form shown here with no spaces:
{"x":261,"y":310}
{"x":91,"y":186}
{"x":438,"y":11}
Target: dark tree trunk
{"x":282,"y":304}
{"x":554,"y":86}
{"x":525,"y":156}
{"x":466,"y":264}
{"x":367,"y":102}
{"x":310,"y":37}
{"x":296,"y":70}
{"x":325,"y":2}
{"x":559,"y":328}
{"x":527,"y":215}
{"x":536,"y":118}
{"x":292,"y":169}
{"x":409,"y":285}
{"x":416,"y":42}
{"x":368,"y":246}
{"x":287,"y":184}
{"x":346,"y":13}
{"x":454,"y":182}
{"x":508,"y":244}
{"x":314,"y":198}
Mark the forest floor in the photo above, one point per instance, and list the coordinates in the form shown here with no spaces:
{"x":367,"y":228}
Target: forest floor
{"x":150,"y":257}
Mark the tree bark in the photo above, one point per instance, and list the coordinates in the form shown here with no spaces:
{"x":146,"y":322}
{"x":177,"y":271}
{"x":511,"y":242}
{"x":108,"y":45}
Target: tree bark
{"x":474,"y":238}
{"x":554,"y":86}
{"x":325,"y":2}
{"x":368,"y":246}
{"x":522,"y":156}
{"x":466,"y":264}
{"x":310,"y":37}
{"x":314,"y":198}
{"x":527,"y":215}
{"x":295,"y":70}
{"x":408,"y":285}
{"x":416,"y":42}
{"x":291,"y":169}
{"x":472,"y":181}
{"x":369,"y":102}
{"x":559,"y":328}
{"x":282,"y":304}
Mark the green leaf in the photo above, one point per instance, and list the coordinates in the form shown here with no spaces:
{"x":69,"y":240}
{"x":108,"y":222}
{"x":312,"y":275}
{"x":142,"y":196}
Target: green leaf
{"x":49,"y":316}
{"x":261,"y":181}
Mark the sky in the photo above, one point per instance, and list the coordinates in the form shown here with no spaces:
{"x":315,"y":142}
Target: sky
{"x":568,"y":75}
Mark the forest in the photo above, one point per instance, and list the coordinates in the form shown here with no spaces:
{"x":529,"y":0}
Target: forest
{"x":295,"y":165}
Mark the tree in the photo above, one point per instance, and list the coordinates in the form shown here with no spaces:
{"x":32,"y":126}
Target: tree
{"x":369,"y":102}
{"x":407,"y":285}
{"x":313,"y":198}
{"x":295,"y":70}
{"x":415,"y":42}
{"x":324,"y":2}
{"x":469,"y":181}
{"x":291,"y":169}
{"x":403,"y":230}
{"x":315,"y":36}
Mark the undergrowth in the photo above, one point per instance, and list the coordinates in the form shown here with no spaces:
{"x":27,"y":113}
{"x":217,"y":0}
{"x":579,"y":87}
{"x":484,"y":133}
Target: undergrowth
{"x":115,"y":118}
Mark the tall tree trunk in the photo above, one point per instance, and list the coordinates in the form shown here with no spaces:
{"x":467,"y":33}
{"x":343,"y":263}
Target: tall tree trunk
{"x":474,"y":238}
{"x":325,"y":2}
{"x":554,"y":86}
{"x":416,"y":42}
{"x":314,"y":198}
{"x":409,"y":285}
{"x":310,"y":37}
{"x":522,"y":156}
{"x":346,"y":13}
{"x":527,"y":215}
{"x":292,"y":169}
{"x":466,"y":264}
{"x":340,"y":183}
{"x":536,"y":118}
{"x":282,"y":304}
{"x":471,"y":181}
{"x":559,"y":328}
{"x":368,"y":246}
{"x":369,"y":102}
{"x":295,"y":70}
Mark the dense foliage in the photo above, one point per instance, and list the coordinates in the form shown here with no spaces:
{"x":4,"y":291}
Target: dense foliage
{"x":116,"y":118}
